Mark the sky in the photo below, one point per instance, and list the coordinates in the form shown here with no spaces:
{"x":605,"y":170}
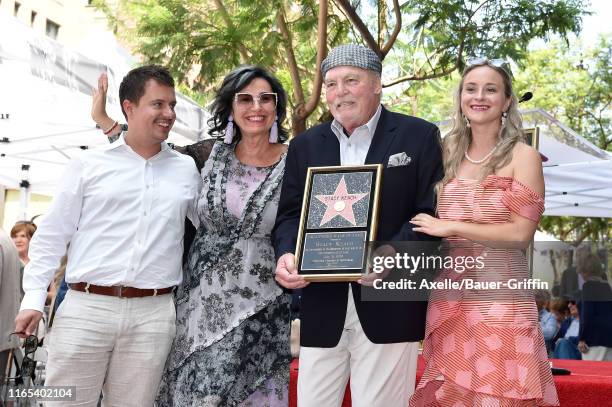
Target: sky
{"x":592,"y":26}
{"x":597,"y":23}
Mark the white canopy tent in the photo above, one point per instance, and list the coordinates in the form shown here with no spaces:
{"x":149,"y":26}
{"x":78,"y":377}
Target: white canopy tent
{"x":45,"y":99}
{"x":577,"y":173}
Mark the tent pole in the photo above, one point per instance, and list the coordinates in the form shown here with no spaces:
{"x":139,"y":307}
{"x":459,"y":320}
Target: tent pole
{"x":24,"y":195}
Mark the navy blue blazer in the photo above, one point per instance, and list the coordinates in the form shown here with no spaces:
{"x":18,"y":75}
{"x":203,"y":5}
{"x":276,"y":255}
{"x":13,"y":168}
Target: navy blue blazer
{"x":406,"y":191}
{"x":596,"y":313}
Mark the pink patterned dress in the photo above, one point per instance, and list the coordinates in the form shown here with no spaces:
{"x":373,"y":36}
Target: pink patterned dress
{"x":485,"y":347}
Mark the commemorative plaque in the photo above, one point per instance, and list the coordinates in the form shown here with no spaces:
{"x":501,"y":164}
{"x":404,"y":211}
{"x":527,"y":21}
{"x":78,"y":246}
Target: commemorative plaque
{"x":339,"y":216}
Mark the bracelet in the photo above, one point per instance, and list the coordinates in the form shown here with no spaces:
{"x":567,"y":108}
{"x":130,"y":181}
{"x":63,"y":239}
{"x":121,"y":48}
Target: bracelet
{"x":106,"y":132}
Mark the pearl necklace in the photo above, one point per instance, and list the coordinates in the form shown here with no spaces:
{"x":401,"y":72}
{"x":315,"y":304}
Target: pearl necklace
{"x":483,"y":159}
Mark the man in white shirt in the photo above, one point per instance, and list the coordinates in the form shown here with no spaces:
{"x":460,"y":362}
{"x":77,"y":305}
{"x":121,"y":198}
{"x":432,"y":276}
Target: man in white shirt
{"x":122,"y":209}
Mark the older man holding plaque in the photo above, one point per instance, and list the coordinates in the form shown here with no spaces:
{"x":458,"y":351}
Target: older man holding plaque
{"x":374,"y":343}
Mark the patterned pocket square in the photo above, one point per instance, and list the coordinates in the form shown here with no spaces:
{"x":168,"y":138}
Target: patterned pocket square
{"x":398,"y":160}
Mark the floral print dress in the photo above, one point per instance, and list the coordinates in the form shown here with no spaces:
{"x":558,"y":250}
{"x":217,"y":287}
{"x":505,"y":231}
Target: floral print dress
{"x":232,"y":342}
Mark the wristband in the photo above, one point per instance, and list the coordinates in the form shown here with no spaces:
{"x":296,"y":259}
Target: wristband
{"x":106,"y":132}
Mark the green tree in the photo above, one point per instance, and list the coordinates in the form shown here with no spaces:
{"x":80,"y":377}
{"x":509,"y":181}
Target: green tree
{"x":574,"y":84}
{"x":201,"y":41}
{"x":570,"y":81}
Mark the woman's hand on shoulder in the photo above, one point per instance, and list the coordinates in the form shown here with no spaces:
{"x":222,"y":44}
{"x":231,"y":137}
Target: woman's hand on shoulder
{"x":527,"y":167}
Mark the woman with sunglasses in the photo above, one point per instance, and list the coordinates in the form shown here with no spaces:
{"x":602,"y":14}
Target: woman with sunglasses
{"x":232,"y":340}
{"x":485,"y":346}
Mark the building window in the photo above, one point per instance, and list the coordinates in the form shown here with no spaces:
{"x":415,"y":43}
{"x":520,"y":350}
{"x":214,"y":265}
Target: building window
{"x":33,"y":17}
{"x":17,"y":7}
{"x":52,"y":29}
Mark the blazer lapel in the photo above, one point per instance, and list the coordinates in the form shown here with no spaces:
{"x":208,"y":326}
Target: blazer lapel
{"x":330,"y":148}
{"x":383,"y":137}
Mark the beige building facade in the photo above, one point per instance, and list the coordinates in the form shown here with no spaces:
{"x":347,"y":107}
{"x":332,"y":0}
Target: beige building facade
{"x":67,"y":21}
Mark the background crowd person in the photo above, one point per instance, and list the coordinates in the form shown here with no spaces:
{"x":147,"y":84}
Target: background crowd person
{"x":559,"y":307}
{"x":548,"y":321}
{"x":22,"y":233}
{"x":571,"y":279}
{"x":595,"y":338}
{"x":566,"y":340}
{"x":492,"y":191}
{"x":569,"y":283}
{"x":232,"y":342}
{"x":10,"y":297}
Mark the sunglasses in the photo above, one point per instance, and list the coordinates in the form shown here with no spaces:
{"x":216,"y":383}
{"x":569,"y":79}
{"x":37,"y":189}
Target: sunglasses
{"x":28,"y":365}
{"x":265,"y":99}
{"x":496,"y":62}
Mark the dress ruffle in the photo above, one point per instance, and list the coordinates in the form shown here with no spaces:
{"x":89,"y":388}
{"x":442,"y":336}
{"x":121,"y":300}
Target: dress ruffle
{"x":517,"y":197}
{"x":246,"y":367}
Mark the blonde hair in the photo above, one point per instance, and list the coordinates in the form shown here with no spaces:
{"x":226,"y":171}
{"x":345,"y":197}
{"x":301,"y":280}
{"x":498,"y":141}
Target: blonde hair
{"x":457,"y":141}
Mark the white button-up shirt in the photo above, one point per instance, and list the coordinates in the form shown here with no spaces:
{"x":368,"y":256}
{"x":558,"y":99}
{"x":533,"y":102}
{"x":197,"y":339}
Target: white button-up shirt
{"x":354,"y":149}
{"x":123,"y":216}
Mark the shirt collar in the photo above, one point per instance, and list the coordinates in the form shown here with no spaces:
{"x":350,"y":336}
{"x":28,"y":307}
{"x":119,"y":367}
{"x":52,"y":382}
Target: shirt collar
{"x":120,"y":143}
{"x":370,"y":125}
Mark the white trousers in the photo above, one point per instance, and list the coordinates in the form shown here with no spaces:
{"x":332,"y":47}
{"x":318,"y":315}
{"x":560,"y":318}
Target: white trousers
{"x":114,"y":345}
{"x":382,"y":375}
{"x":598,"y":353}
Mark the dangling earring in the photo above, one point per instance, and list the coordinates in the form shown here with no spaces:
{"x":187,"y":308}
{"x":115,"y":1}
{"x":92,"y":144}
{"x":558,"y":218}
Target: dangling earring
{"x":503,"y":119}
{"x":274,"y":131}
{"x":467,"y":121}
{"x":229,"y":130}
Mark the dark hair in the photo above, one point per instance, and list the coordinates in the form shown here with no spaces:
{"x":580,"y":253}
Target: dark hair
{"x":234,"y":82}
{"x":133,"y":84}
{"x":542,"y":296}
{"x":559,"y":304}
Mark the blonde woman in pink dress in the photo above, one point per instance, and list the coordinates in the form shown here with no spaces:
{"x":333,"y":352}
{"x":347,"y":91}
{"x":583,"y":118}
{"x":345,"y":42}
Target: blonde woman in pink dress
{"x":485,"y":347}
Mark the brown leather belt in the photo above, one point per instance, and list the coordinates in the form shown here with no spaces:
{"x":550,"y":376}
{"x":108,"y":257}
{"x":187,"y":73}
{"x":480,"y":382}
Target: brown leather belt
{"x":119,"y":290}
